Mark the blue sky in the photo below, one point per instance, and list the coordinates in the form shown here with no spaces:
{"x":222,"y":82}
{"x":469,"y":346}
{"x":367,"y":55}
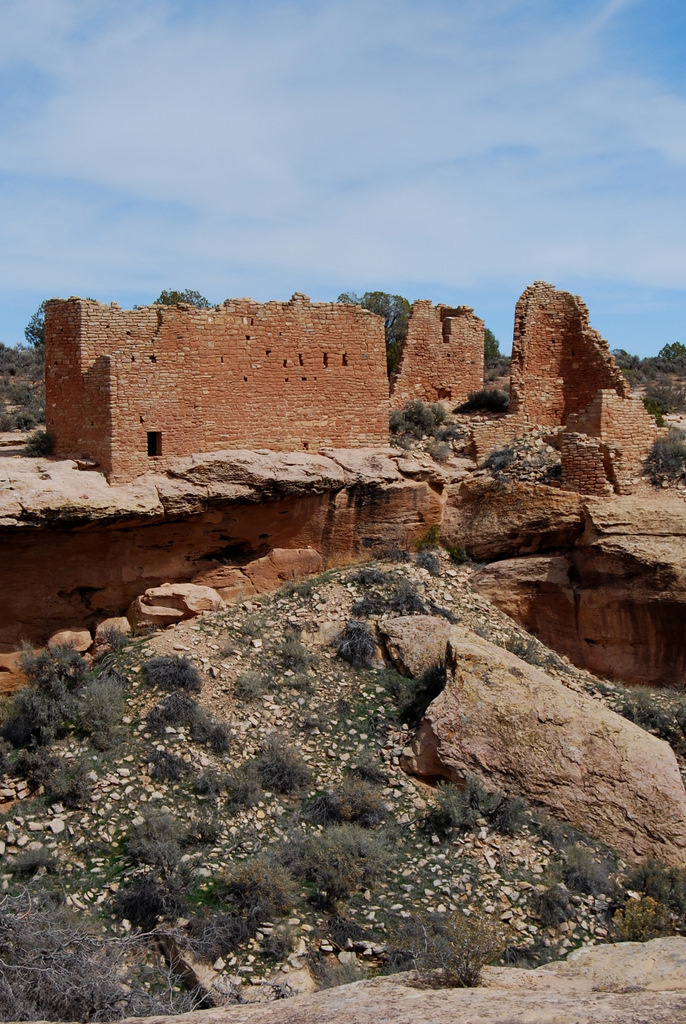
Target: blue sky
{"x":455,"y":151}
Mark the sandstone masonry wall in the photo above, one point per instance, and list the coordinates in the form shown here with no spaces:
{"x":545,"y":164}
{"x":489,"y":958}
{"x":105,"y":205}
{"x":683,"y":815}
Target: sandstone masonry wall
{"x":137,"y":389}
{"x":443,"y":355}
{"x":559,"y":362}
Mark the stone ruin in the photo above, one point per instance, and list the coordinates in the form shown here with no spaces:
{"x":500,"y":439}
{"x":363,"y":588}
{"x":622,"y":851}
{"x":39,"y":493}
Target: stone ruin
{"x":563,"y":375}
{"x":134,"y":390}
{"x":442,"y":358}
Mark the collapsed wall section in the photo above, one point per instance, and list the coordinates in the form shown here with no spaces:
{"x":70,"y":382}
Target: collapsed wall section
{"x":442,"y":356}
{"x":559,"y":362}
{"x":179,"y":380}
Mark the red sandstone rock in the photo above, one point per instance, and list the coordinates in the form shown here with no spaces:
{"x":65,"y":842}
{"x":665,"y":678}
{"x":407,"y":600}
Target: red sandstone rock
{"x":493,"y":521}
{"x":11,"y":676}
{"x":79,"y":639}
{"x":616,"y":603}
{"x":525,"y":732}
{"x":172,"y":602}
{"x":333,"y":504}
{"x":280,"y":565}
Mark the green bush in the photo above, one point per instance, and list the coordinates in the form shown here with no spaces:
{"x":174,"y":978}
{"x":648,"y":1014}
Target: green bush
{"x":655,"y":408}
{"x":281,"y":768}
{"x":582,"y":872}
{"x":459,"y":808}
{"x":156,"y":843}
{"x":243,"y":788}
{"x":429,"y":561}
{"x":172,"y":673}
{"x":166,"y":767}
{"x":337,"y":861}
{"x":416,"y":420}
{"x":261,"y":888}
{"x":500,"y":460}
{"x":667,"y":459}
{"x":485,"y":400}
{"x":250,"y":685}
{"x":35,"y":718}
{"x":36,"y":766}
{"x":28,"y":862}
{"x":40,"y":443}
{"x":406,"y":600}
{"x":431,"y":539}
{"x":147,"y":898}
{"x":294,"y":655}
{"x":666,"y":885}
{"x":658,"y":711}
{"x":71,"y":785}
{"x":177,"y":709}
{"x":457,"y":554}
{"x":101,"y":704}
{"x":221,"y":934}
{"x":553,"y":906}
{"x":55,"y":670}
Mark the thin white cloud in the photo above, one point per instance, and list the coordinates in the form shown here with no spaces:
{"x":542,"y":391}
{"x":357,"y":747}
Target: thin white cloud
{"x":363,"y":141}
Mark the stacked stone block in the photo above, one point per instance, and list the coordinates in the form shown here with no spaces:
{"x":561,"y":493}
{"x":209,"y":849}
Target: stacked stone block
{"x":584,"y":467}
{"x":442,"y":357}
{"x":559,"y":362}
{"x":137,"y":389}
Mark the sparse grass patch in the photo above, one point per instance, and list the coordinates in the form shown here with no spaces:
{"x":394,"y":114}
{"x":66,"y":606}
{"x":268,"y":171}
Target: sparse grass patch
{"x":667,"y":459}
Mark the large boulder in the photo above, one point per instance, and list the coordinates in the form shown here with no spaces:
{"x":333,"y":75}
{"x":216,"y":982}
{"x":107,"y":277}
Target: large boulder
{"x":523,"y":731}
{"x":79,"y":639}
{"x":414,"y":643}
{"x":172,"y":602}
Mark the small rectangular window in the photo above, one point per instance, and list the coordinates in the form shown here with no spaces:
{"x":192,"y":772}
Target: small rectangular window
{"x":154,"y":442}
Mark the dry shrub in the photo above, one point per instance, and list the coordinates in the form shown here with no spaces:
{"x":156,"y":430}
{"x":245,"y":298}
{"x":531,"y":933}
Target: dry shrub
{"x":457,"y":946}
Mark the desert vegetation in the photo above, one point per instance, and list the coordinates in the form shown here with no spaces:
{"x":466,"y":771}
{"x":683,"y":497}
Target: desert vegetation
{"x":256,"y":816}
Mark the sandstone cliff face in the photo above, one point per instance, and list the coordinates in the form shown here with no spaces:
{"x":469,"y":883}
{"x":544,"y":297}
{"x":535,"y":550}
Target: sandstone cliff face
{"x":615,"y":603}
{"x":494,"y":521}
{"x":521,"y":730}
{"x":75,"y":550}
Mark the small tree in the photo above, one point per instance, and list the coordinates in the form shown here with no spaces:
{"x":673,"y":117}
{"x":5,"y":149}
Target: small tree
{"x":395,"y":311}
{"x":674,"y":353}
{"x":491,"y":346}
{"x":171,"y":297}
{"x":34,"y":332}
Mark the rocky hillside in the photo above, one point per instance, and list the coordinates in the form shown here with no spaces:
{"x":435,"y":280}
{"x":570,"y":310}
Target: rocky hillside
{"x":244,"y":805}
